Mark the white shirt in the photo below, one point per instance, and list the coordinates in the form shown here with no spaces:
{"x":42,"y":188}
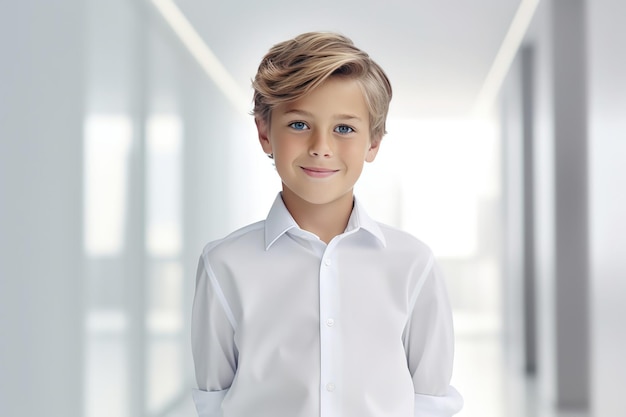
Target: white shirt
{"x":284,"y":325}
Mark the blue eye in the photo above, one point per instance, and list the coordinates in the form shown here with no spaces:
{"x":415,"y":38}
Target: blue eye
{"x":343,"y":129}
{"x":298,"y":125}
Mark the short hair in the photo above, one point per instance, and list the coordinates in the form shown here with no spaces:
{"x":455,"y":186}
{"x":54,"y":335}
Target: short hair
{"x":293,"y":68}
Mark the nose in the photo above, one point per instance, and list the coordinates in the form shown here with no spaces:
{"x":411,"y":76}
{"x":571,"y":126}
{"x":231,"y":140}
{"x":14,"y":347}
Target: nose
{"x":320,"y":145}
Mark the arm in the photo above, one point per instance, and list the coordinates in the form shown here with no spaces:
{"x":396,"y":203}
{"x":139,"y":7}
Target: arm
{"x":429,"y":345}
{"x":212,"y":343}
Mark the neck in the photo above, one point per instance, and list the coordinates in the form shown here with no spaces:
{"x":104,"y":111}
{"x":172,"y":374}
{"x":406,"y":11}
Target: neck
{"x":324,"y":220}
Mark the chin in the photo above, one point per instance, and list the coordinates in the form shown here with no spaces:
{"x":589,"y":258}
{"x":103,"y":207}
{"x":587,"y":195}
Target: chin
{"x":324,"y":198}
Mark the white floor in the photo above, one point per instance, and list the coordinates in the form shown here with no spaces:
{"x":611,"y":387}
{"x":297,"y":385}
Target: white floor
{"x":491,"y":387}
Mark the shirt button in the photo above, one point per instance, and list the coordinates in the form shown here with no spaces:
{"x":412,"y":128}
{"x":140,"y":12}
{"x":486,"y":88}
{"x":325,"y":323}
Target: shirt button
{"x":327,"y":262}
{"x":330,"y":322}
{"x":330,"y":387}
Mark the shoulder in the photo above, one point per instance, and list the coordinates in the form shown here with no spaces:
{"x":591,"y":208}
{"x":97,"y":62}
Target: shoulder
{"x":400,"y":240}
{"x":247,"y":238}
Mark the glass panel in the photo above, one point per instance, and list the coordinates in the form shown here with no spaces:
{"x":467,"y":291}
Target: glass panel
{"x":165,"y":335}
{"x":106,"y":372}
{"x":163,"y":159}
{"x":107,"y":146}
{"x":165,"y":312}
{"x":164,"y":315}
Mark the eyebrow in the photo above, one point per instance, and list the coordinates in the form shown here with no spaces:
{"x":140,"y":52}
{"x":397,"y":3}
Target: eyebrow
{"x":336,"y":116}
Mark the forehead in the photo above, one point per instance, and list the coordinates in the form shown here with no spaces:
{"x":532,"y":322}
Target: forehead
{"x":335,"y":96}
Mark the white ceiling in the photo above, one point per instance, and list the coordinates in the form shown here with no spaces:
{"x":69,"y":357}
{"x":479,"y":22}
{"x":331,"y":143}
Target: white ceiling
{"x":437,"y":53}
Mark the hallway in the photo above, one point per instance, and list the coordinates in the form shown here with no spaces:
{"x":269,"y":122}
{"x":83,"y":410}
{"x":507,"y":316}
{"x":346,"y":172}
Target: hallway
{"x":126,"y":144}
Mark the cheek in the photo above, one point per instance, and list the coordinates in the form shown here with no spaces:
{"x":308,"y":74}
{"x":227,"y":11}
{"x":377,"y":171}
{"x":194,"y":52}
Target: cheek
{"x":282,"y":151}
{"x":357,"y":161}
{"x":284,"y":156}
{"x":362,"y":153}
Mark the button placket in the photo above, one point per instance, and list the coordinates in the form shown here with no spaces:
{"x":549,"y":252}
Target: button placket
{"x":329,"y":336}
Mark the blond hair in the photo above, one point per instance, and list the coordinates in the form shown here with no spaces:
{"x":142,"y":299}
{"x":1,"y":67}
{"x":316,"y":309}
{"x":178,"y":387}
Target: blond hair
{"x":293,"y":68}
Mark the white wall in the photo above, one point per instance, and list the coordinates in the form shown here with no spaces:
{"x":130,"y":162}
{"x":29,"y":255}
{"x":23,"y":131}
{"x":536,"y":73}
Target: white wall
{"x":513,"y":253}
{"x":41,"y":285}
{"x":607,"y":203}
{"x":580,"y":149}
{"x":561,"y":174}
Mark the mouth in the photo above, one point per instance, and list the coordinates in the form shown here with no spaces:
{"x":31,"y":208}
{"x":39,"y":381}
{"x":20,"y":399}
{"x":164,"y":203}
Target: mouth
{"x":316,"y":172}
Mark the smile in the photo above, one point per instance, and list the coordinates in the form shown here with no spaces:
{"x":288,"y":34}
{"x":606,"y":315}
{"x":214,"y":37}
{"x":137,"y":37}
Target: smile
{"x":318,"y":172}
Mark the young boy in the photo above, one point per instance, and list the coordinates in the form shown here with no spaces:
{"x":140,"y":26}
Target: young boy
{"x":319,"y":310}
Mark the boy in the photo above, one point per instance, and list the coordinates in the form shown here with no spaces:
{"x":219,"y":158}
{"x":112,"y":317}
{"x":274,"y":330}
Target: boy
{"x":319,"y":310}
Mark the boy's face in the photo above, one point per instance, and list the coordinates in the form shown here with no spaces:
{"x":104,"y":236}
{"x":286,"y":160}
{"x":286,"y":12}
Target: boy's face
{"x":320,"y":142}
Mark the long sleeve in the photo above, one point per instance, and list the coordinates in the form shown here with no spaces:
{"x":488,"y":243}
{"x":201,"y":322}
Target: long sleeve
{"x":429,"y":345}
{"x":212,"y":342}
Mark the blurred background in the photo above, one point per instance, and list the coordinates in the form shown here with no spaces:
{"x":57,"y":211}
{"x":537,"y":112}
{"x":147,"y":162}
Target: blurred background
{"x":126,"y":145}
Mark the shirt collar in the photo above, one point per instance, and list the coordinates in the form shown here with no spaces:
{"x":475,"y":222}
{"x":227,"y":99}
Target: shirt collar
{"x":279,"y":221}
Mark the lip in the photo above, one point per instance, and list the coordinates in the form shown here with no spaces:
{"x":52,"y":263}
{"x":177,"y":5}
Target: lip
{"x":317,"y":172}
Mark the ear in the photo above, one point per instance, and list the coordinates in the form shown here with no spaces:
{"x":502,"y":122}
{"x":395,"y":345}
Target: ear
{"x":373,"y":150}
{"x":263,"y":130}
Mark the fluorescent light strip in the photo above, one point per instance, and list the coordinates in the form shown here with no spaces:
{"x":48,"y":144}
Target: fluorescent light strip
{"x":505,"y":56}
{"x":203,"y":54}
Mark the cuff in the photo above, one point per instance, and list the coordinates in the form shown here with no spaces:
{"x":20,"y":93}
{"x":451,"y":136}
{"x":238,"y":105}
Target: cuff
{"x":438,"y":406}
{"x":208,"y":403}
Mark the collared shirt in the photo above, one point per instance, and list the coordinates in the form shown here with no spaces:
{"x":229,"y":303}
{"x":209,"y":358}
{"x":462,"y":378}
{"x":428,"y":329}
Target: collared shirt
{"x":284,"y":325}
